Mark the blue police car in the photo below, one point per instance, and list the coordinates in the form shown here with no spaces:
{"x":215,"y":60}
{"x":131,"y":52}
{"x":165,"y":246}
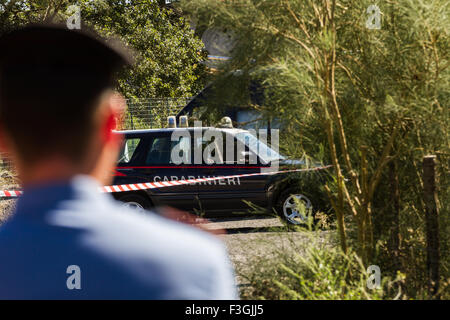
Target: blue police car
{"x":158,"y":155}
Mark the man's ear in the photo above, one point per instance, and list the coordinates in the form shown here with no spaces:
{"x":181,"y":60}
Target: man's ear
{"x":109,"y":125}
{"x":112,"y":114}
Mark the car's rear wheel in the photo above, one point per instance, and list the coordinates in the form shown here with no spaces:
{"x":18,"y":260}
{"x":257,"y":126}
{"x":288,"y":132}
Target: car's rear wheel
{"x":136,"y":202}
{"x":295,"y":207}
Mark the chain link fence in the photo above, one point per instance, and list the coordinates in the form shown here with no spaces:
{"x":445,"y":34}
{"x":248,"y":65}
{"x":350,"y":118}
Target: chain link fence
{"x":151,"y":113}
{"x":5,"y":164}
{"x":145,"y":113}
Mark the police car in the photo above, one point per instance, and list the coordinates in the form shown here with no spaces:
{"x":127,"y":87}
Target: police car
{"x":168,"y":154}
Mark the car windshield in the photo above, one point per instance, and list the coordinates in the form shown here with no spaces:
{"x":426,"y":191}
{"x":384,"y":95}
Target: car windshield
{"x":260,"y":148}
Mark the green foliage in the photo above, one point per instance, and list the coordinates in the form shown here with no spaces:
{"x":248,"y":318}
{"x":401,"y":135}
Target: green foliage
{"x":319,"y":272}
{"x":346,"y":88}
{"x":169,"y":55}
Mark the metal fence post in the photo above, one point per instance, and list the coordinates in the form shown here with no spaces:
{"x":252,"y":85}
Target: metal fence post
{"x":131,"y":120}
{"x":432,"y":224}
{"x":151,"y":112}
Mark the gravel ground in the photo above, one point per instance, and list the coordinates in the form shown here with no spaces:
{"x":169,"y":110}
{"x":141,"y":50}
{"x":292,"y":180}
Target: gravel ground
{"x":6,"y":207}
{"x":7,"y":182}
{"x":251,"y":239}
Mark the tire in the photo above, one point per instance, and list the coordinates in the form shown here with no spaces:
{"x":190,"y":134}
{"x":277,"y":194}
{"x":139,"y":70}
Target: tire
{"x":288,"y":210}
{"x":136,"y":201}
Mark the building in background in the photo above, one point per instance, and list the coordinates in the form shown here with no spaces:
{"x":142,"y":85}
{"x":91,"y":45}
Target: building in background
{"x":219,"y":45}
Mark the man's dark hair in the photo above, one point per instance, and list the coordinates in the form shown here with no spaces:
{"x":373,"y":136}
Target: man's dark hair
{"x":51,"y":79}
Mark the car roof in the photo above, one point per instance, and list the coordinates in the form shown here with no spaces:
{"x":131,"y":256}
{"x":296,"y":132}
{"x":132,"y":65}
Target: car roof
{"x":148,"y":131}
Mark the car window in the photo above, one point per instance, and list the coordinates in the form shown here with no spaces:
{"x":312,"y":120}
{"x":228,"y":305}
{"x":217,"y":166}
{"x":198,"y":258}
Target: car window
{"x":128,"y":152}
{"x":231,"y":155}
{"x":212,"y":144}
{"x":161,"y":150}
{"x":260,"y":148}
{"x":234,"y":151}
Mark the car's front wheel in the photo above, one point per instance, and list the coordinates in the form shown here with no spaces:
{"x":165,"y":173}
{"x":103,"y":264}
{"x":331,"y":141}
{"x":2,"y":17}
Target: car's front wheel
{"x":136,"y":202}
{"x":295,"y":207}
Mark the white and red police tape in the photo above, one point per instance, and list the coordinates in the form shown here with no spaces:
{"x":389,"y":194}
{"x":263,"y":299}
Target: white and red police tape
{"x":155,"y":185}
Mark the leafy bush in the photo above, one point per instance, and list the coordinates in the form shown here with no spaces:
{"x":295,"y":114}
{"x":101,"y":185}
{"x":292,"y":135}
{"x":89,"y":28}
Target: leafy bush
{"x":320,"y":272}
{"x":373,"y":102}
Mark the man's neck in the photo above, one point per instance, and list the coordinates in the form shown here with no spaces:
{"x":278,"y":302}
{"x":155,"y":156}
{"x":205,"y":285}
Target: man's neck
{"x":51,"y":170}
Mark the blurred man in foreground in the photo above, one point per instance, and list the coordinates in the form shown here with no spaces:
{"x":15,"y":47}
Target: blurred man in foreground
{"x":66,"y":240}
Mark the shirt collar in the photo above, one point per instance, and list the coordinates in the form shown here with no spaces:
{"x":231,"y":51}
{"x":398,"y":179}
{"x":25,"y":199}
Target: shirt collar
{"x":45,"y":196}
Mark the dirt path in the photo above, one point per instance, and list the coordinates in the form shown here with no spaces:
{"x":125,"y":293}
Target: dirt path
{"x":7,"y":182}
{"x":251,"y":239}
